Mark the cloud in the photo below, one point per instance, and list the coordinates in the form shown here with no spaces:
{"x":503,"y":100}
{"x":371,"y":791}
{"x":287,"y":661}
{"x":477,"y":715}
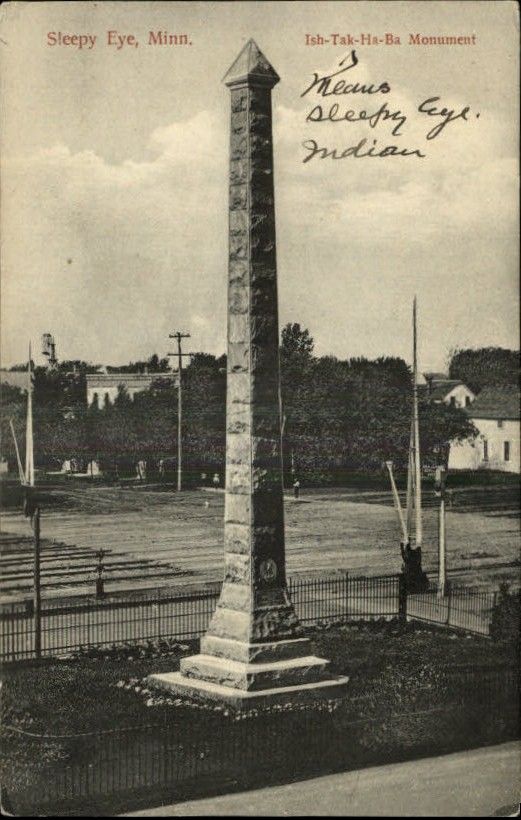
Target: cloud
{"x":147,"y":239}
{"x":138,"y":234}
{"x":465,"y":185}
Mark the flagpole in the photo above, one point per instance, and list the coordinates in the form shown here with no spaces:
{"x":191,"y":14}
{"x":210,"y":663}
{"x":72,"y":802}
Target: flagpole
{"x":416,"y":431}
{"x":29,"y":442}
{"x":410,"y":484}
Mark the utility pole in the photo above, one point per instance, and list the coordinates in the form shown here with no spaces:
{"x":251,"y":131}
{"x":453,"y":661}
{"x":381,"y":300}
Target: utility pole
{"x":416,"y":434}
{"x":179,"y":355}
{"x":32,"y":510}
{"x":282,"y":428}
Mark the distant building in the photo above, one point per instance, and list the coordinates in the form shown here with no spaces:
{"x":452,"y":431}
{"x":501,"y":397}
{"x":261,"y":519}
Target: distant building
{"x":439,"y":388}
{"x":496,"y":414}
{"x":15,"y":378}
{"x":104,"y":386}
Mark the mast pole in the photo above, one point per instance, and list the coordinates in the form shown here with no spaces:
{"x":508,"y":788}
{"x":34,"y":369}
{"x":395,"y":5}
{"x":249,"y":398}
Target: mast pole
{"x":179,"y":416}
{"x":416,"y":432}
{"x":29,"y":443}
{"x":410,"y":484}
{"x":179,"y":336}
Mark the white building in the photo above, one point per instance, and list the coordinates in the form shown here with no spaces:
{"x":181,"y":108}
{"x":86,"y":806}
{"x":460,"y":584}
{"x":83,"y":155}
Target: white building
{"x":439,"y":388}
{"x":496,"y":414}
{"x":104,"y":386}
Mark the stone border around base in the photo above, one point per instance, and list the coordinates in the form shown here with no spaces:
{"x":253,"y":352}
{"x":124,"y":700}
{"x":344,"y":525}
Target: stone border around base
{"x":176,"y":683}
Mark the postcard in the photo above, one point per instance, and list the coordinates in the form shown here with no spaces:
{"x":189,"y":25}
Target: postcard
{"x":260,"y":447}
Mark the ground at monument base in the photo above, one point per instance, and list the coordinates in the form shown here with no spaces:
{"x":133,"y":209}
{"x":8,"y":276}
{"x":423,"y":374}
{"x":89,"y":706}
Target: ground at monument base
{"x":178,"y":684}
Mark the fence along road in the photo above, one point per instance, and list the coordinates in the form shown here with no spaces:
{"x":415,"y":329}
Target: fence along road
{"x":184,"y":613}
{"x":113,"y":770}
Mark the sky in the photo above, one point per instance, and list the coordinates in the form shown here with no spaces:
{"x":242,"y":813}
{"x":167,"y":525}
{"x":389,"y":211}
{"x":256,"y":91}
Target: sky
{"x":115,"y":164}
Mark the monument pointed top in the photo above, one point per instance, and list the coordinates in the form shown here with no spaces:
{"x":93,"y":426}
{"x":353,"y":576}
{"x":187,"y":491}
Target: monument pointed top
{"x":251,"y":66}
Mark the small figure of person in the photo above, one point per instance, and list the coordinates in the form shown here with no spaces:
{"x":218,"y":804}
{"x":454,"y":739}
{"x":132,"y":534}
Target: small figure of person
{"x":215,"y":480}
{"x":296,"y":488}
{"x":161,"y":468}
{"x":415,"y":578}
{"x":406,"y":550}
{"x":142,"y":469}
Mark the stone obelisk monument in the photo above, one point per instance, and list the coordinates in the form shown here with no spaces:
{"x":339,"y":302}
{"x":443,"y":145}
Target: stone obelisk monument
{"x":254,"y":648}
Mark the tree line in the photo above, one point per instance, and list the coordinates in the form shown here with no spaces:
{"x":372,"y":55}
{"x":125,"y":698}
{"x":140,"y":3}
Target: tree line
{"x":340,"y":417}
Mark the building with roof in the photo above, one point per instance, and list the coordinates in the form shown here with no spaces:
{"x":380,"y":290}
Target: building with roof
{"x":439,"y":388}
{"x":14,"y":378}
{"x":104,"y":387}
{"x":496,"y":414}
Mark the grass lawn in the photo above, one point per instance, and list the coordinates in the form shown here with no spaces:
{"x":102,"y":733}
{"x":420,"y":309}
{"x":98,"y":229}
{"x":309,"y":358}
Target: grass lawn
{"x":63,"y":697}
{"x":396,"y":676}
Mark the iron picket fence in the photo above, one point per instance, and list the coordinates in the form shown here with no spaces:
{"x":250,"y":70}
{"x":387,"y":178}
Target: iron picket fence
{"x":195,"y":753}
{"x":184,"y":613}
{"x":466,"y":608}
{"x":69,"y":626}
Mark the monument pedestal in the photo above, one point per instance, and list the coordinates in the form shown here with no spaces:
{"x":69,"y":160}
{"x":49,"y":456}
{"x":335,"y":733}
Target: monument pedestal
{"x":264,"y":673}
{"x":197,"y":689}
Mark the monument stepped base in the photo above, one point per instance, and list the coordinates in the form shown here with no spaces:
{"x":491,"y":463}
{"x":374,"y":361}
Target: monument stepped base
{"x":178,"y":684}
{"x":244,"y":673}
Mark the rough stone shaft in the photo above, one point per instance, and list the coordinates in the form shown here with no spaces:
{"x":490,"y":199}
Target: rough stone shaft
{"x":254,"y":605}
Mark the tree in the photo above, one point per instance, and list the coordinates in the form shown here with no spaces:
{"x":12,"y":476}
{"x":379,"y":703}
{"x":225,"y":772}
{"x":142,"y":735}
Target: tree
{"x":441,"y":424}
{"x":13,"y":404}
{"x":296,"y":342}
{"x":340,"y":416}
{"x":204,"y":414}
{"x":21,"y":367}
{"x":354,"y":415}
{"x":151,"y":365}
{"x":59,"y":435}
{"x":154,"y":414}
{"x":484,"y":367}
{"x":296,"y":363}
{"x":114,"y":439}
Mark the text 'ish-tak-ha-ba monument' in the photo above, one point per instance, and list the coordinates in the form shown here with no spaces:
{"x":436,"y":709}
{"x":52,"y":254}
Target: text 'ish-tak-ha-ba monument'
{"x":254,"y":650}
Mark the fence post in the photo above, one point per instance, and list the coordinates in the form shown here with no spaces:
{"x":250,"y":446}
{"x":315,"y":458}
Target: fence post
{"x":100,"y":590}
{"x":402,"y":598}
{"x":159,"y":613}
{"x":347,"y":595}
{"x":449,"y":599}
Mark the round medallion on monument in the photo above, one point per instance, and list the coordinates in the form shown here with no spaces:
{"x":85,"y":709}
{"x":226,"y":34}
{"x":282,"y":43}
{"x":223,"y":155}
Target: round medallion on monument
{"x":268,"y":570}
